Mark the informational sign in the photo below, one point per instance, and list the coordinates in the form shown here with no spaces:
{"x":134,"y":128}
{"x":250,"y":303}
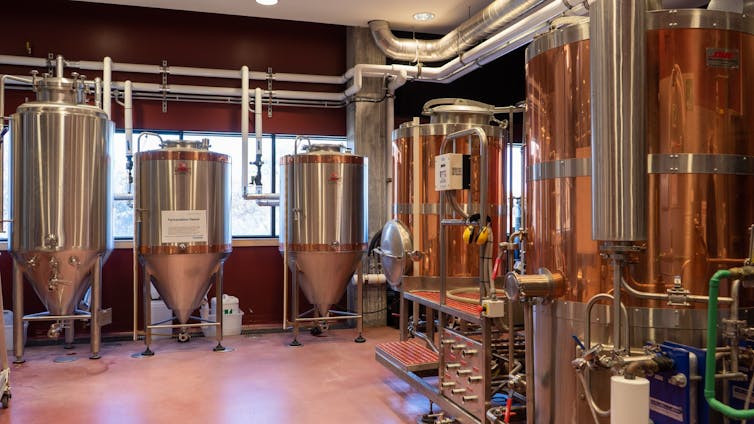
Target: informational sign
{"x":184,"y":226}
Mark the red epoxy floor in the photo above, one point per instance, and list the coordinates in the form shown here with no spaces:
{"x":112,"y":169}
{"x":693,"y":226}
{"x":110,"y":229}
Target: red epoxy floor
{"x":328,"y":380}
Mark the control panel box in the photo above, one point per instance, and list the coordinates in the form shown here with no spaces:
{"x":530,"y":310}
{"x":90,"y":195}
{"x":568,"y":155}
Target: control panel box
{"x":452,"y":172}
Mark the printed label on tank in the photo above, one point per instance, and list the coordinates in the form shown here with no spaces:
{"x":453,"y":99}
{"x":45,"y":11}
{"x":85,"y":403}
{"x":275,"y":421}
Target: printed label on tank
{"x":722,"y":58}
{"x":184,"y":226}
{"x":663,"y":408}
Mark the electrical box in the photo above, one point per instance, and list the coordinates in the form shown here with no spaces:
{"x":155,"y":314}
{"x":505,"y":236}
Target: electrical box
{"x":493,"y":308}
{"x":452,"y":172}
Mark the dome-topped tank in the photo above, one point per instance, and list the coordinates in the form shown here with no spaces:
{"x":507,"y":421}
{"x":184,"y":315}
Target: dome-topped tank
{"x":60,"y":191}
{"x":183,"y":192}
{"x":323,"y":219}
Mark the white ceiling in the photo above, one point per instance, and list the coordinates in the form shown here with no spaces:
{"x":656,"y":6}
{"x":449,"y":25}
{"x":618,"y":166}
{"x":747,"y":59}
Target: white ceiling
{"x":449,"y":13}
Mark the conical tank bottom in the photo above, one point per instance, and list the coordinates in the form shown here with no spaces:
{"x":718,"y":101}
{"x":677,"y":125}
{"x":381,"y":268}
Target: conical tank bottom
{"x":59,"y":278}
{"x":182,"y":279}
{"x":323,"y":276}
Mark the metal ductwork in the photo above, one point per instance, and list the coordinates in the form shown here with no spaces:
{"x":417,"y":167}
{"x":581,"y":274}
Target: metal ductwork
{"x":485,"y":23}
{"x":619,"y":154}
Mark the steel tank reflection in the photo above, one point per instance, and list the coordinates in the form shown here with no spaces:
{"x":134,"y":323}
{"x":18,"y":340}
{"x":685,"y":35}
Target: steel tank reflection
{"x":416,"y":203}
{"x":60,"y":200}
{"x":183,"y":194}
{"x":323,"y":216}
{"x":697,"y":214}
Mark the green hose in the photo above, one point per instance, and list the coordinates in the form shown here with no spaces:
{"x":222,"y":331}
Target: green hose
{"x":710,"y":368}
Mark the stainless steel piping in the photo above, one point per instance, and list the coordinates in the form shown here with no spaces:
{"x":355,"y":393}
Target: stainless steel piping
{"x":480,"y":26}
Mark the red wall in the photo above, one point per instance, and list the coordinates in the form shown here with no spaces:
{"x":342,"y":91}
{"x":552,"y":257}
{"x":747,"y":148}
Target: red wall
{"x":85,"y":31}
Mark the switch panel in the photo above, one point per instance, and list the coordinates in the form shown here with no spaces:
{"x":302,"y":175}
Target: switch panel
{"x":462,"y":377}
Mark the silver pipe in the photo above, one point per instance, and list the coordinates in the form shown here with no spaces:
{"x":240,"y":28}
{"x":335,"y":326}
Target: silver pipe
{"x":734,"y":349}
{"x":664,"y":296}
{"x":59,"y":66}
{"x":617,"y":267}
{"x":529,"y":361}
{"x":98,"y":92}
{"x":479,"y":27}
{"x":588,"y":319}
{"x":619,"y":176}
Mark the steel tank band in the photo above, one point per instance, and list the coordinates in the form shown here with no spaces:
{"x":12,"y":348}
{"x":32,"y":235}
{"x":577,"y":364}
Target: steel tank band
{"x":700,"y":163}
{"x":557,"y":38}
{"x":564,"y":168}
{"x":699,"y":19}
{"x":434,"y":208}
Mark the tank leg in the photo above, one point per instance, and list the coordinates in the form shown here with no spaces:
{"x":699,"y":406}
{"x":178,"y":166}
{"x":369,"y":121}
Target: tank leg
{"x":360,"y":306}
{"x":18,"y":314}
{"x":69,"y":334}
{"x":219,"y":309}
{"x":147,"y":313}
{"x":96,"y":329}
{"x":294,"y":307}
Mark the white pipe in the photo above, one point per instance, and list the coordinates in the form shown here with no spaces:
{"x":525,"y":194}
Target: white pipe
{"x":128,"y":124}
{"x":107,"y":65}
{"x":369,"y":279}
{"x":245,"y":128}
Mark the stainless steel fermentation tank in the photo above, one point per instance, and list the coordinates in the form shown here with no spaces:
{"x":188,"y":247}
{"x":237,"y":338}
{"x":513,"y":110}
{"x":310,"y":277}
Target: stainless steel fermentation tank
{"x":323,"y":231}
{"x":183,"y":228}
{"x":61,"y":206}
{"x":417,"y":203}
{"x":699,"y":204}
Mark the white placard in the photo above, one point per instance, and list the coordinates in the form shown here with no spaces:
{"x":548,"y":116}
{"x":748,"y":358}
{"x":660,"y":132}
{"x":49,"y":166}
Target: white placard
{"x":184,"y":226}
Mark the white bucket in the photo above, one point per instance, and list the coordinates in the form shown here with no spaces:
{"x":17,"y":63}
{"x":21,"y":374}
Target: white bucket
{"x":230,"y":305}
{"x":232,"y":316}
{"x":8,"y":321}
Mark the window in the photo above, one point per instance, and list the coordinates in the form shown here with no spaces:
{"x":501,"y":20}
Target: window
{"x":247,"y":218}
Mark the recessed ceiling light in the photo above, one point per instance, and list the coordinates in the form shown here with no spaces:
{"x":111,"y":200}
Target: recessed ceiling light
{"x":267,"y":2}
{"x":424,"y":16}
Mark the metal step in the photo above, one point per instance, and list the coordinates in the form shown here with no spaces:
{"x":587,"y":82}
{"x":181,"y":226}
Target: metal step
{"x":408,"y":355}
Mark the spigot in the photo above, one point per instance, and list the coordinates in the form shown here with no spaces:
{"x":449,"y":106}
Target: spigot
{"x":55,"y":329}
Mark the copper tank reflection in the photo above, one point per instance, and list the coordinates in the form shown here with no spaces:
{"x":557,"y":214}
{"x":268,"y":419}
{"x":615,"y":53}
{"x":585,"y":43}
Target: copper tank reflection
{"x":559,"y":201}
{"x":417,"y":205}
{"x":700,"y":146}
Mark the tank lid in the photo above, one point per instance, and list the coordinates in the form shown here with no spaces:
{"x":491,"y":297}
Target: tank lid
{"x":202,"y":144}
{"x":452,"y":110}
{"x":324,"y":147}
{"x":396,"y":247}
{"x":60,"y":89}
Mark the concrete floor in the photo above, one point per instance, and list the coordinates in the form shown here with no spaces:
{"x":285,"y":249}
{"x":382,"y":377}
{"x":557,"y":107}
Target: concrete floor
{"x":328,"y":380}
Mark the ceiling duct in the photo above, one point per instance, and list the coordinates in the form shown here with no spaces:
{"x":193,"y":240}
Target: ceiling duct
{"x":482,"y":25}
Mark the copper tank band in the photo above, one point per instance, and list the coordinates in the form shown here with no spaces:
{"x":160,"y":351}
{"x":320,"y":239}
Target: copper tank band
{"x":311,"y":158}
{"x":333,"y":247}
{"x":191,"y":249}
{"x":183,"y":155}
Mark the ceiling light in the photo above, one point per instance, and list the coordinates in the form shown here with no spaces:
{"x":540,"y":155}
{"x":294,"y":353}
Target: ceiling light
{"x":423,"y":16}
{"x":267,"y":2}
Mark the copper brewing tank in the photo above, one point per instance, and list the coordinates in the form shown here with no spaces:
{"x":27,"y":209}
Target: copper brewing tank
{"x":416,"y":203}
{"x":700,"y":171}
{"x":558,"y":148}
{"x":700,"y":146}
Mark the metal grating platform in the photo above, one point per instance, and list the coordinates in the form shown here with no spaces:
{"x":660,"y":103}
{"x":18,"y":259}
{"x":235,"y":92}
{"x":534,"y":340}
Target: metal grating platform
{"x":470,"y":308}
{"x":409,"y":355}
